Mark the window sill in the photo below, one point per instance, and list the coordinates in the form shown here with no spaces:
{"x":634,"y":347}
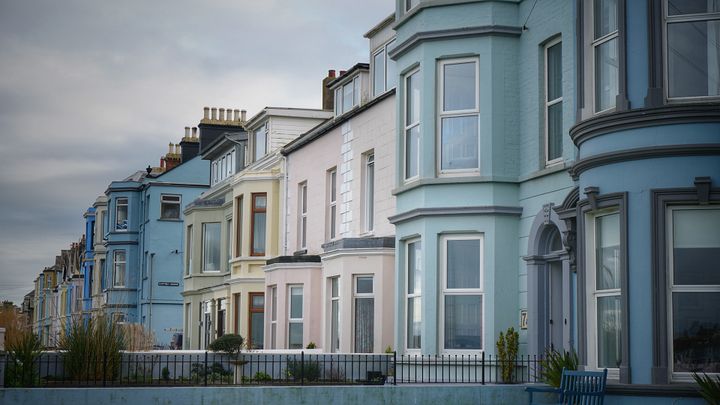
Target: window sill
{"x":170,"y":219}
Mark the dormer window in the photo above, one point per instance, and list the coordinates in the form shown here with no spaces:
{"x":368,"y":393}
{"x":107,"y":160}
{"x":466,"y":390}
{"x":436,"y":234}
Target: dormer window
{"x":260,"y":142}
{"x":384,"y":73}
{"x":223,"y":167}
{"x":347,"y":96}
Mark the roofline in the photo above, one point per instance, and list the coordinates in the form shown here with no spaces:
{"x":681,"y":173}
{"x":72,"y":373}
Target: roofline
{"x":379,"y":26}
{"x":222,"y":139}
{"x":348,"y":74}
{"x":283,"y":112}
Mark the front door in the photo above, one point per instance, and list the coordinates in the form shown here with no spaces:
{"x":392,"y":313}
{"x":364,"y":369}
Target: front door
{"x":554,"y":317}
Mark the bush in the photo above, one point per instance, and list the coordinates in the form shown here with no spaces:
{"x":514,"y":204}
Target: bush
{"x":709,"y":388}
{"x":165,"y":374}
{"x":308,"y":371}
{"x":311,"y":345}
{"x":507,"y":348}
{"x":231,"y":344}
{"x":92,"y":349}
{"x":24,"y":352}
{"x":262,"y":376}
{"x":552,"y":365}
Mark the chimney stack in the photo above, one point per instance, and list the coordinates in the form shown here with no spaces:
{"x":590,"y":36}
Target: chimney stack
{"x":187,"y":132}
{"x":222,"y":114}
{"x":328,"y":96}
{"x":194,"y":132}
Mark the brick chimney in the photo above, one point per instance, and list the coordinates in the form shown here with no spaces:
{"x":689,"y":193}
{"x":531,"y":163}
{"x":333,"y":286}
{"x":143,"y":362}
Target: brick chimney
{"x":328,"y":96}
{"x":172,"y":158}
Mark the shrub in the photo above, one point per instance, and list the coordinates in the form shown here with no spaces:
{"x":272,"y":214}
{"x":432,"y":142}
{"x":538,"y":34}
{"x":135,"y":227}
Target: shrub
{"x":24,"y":352}
{"x":552,"y":365}
{"x":92,"y":349}
{"x":231,"y":344}
{"x":389,"y":350}
{"x":138,"y":338}
{"x":709,"y":388}
{"x":262,"y":376}
{"x":308,"y":371}
{"x":311,"y":345}
{"x":165,"y":374}
{"x":507,"y":348}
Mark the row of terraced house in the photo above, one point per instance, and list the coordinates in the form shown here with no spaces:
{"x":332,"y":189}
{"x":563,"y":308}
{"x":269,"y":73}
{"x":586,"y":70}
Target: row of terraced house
{"x":551,"y":166}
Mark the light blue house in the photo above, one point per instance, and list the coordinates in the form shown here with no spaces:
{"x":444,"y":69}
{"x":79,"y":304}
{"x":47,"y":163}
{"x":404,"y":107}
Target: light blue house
{"x":88,"y":260}
{"x":143,"y":274}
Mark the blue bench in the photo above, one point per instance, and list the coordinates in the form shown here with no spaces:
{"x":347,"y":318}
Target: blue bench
{"x":577,"y":387}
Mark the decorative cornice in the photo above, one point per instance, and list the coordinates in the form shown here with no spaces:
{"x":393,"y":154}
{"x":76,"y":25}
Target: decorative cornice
{"x":359,"y":243}
{"x":644,"y":117}
{"x":651,"y":152}
{"x":442,"y":211}
{"x":453,"y":33}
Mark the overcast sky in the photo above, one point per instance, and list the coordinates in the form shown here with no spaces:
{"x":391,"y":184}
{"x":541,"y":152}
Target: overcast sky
{"x":91,"y":91}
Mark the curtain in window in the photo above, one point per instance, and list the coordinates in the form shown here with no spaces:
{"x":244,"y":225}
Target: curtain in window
{"x":364,"y":324}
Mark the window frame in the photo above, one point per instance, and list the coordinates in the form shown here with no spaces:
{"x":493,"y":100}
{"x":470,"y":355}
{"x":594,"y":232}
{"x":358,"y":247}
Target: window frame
{"x":204,"y":250}
{"x":116,"y":262}
{"x":238,"y":230}
{"x":264,"y":128}
{"x":446,"y":291}
{"x":382,"y":49}
{"x":354,"y":85}
{"x":335,"y":332}
{"x":252,"y":309}
{"x":413,"y":295}
{"x":410,"y":6}
{"x":188,"y":249}
{"x":355,"y":297}
{"x":549,"y":103}
{"x":273,"y":316}
{"x":164,"y":202}
{"x":597,"y":42}
{"x":228,"y":242}
{"x":122,"y":202}
{"x":302,"y":215}
{"x":292,"y":320}
{"x":667,"y":19}
{"x":368,"y":200}
{"x":442,"y":114}
{"x":257,"y":210}
{"x":407,"y":127}
{"x":331,"y":219}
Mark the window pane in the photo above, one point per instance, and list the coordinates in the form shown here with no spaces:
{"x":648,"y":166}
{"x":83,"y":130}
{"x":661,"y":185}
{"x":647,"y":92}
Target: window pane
{"x":296,"y":302}
{"x":412,"y":109}
{"x":605,"y":17}
{"x":379,"y":73}
{"x":211,"y":246}
{"x":391,"y":69}
{"x":460,"y":143}
{"x":273,"y":335}
{"x":606,"y":75}
{"x":333,"y":218}
{"x":356,"y":91}
{"x":273,"y":310}
{"x":260,"y":201}
{"x":256,"y":320}
{"x":258,"y":301}
{"x":364,"y":324}
{"x":347,"y":96}
{"x":338,"y":101}
{"x":463,"y":322}
{"x":677,"y":7}
{"x":260,"y":142}
{"x":459,"y":92}
{"x":607,"y":255}
{"x":414,"y":323}
{"x":259,"y":233}
{"x":463,"y":263}
{"x":696,"y":328}
{"x":364,"y":285}
{"x":696,"y":247}
{"x":414,"y":268}
{"x":694,"y":59}
{"x":554,"y":72}
{"x":334,"y":287}
{"x":335,"y":327}
{"x":609,"y":332}
{"x":295,"y":340}
{"x":412,"y":151}
{"x":554,"y":117}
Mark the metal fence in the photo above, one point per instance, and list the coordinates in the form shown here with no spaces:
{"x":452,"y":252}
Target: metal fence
{"x":180,"y":368}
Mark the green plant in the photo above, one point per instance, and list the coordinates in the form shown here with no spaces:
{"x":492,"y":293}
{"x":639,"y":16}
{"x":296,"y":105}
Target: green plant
{"x":311,"y":345}
{"x":507,"y":349}
{"x":24,"y":352}
{"x":165,"y":374}
{"x":389,"y":350}
{"x":262,"y":376}
{"x":552,"y":365}
{"x":709,"y":388}
{"x":230,"y":343}
{"x":308,"y":370}
{"x":92,"y":349}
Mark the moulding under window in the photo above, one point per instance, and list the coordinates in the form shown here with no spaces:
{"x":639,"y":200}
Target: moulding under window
{"x":357,"y":253}
{"x":446,"y":211}
{"x":292,"y":267}
{"x":453,"y":33}
{"x":169,"y":219}
{"x":561,"y":166}
{"x":419,"y":182}
{"x":644,"y":117}
{"x":408,"y":14}
{"x":649,"y":152}
{"x":359,"y":243}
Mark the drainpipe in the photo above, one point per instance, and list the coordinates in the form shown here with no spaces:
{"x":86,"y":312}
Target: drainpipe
{"x":150,"y":297}
{"x":283,"y":217}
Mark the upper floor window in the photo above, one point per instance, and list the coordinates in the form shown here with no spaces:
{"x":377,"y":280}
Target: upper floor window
{"x":347,"y":96}
{"x":693,"y":48}
{"x":260,"y":142}
{"x":412,"y":125}
{"x":223,"y":167}
{"x":384,"y":72}
{"x":119,"y":262}
{"x":170,"y":206}
{"x":459,"y":115}
{"x":211,"y":246}
{"x":302,"y":217}
{"x":553,"y":102}
{"x":121,"y":214}
{"x":605,"y":53}
{"x":238,"y":225}
{"x":331,"y":203}
{"x":259,"y":212}
{"x":369,"y":192}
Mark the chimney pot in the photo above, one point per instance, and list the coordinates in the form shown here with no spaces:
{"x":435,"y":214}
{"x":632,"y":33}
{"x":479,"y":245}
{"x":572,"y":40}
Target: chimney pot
{"x":342,"y":72}
{"x":170,"y":147}
{"x":243,"y":115}
{"x":214,"y":113}
{"x":177,"y":149}
{"x":206,"y":113}
{"x":222,"y":114}
{"x":228,"y":114}
{"x":187,"y":132}
{"x":194,"y":132}
{"x":331,"y":73}
{"x":236,"y":115}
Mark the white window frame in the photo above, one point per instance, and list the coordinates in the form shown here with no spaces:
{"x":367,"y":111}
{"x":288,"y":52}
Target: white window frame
{"x":332,"y":211}
{"x":593,"y":294}
{"x":383,"y":49}
{"x":369,"y":192}
{"x":445,"y":291}
{"x":356,"y":296}
{"x":412,"y":295}
{"x":550,"y":103}
{"x":668,"y":19}
{"x":302,"y":215}
{"x":228,"y":242}
{"x":408,"y":126}
{"x":167,"y":199}
{"x":594,"y":44}
{"x":124,"y":202}
{"x":334,"y":299}
{"x":354,"y":84}
{"x":204,"y":251}
{"x":292,"y":320}
{"x":442,"y":113}
{"x":189,"y":249}
{"x":263,"y":128}
{"x":119,"y":282}
{"x":671,"y":287}
{"x":273,"y":316}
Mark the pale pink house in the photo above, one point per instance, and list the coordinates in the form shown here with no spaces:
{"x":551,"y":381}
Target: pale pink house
{"x":334,"y":286}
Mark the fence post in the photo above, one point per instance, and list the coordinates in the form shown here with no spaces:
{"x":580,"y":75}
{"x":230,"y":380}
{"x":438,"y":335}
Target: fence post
{"x":302,"y":368}
{"x":483,"y":367}
{"x":205,"y":371}
{"x":395,"y":376}
{"x":105,"y":355}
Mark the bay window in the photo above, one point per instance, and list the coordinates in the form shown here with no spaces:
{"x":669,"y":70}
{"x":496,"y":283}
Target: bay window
{"x":414,"y":271}
{"x":331,"y":222}
{"x":459,"y":115}
{"x":412,"y":125}
{"x":462,"y":292}
{"x":211,"y":246}
{"x":257,"y":317}
{"x":121,"y":214}
{"x":259,"y":212}
{"x":119,"y":264}
{"x":295,"y":320}
{"x":553,"y":102}
{"x":605,"y":41}
{"x":189,"y":250}
{"x":364,"y":314}
{"x":334,"y":314}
